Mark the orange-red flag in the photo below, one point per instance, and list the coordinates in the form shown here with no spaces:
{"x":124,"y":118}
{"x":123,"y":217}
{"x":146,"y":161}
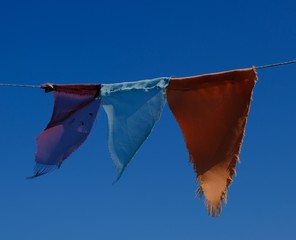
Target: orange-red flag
{"x":212,"y":112}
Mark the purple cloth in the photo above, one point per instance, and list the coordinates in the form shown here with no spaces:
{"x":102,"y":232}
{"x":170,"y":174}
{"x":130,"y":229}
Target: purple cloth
{"x":75,"y":110}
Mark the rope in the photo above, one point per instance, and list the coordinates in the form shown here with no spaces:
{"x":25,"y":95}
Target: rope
{"x":276,"y":64}
{"x":19,"y":85}
{"x":38,"y":86}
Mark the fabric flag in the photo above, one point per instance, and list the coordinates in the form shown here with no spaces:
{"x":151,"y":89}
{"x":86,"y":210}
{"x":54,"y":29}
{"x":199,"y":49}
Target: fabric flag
{"x":212,"y":112}
{"x":132,"y":109}
{"x":75,"y":110}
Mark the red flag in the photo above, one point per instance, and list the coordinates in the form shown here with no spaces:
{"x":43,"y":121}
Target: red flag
{"x":212,"y":112}
{"x":75,"y":109}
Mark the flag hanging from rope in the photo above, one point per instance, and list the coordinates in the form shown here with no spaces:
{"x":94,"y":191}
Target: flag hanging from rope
{"x":132,"y":109}
{"x":75,"y":110}
{"x":212,"y":112}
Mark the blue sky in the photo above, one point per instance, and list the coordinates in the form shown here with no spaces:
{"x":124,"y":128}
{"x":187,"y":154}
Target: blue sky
{"x":115,"y":41}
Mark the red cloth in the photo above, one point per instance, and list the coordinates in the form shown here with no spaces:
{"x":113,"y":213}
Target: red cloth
{"x":212,"y":112}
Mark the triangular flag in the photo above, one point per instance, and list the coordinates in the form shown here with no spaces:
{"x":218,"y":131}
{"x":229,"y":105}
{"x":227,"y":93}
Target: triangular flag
{"x":212,"y":112}
{"x":75,"y":110}
{"x":132,"y":109}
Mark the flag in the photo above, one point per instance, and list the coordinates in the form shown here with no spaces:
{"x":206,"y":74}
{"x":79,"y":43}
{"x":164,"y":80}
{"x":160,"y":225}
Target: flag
{"x":212,"y":112}
{"x":75,"y":110}
{"x":132,"y":109}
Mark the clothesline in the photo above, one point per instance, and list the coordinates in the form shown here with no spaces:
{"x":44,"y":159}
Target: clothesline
{"x":258,"y":67}
{"x":276,"y":64}
{"x":19,"y":85}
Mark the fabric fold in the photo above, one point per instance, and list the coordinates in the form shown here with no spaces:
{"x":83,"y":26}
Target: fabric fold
{"x":75,"y":110}
{"x":132,"y":110}
{"x":212,"y":111}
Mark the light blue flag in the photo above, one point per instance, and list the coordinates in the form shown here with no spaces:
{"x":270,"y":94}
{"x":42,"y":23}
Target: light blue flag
{"x":132,"y":109}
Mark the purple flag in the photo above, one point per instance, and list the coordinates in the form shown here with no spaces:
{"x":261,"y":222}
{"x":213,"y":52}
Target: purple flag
{"x":75,"y":110}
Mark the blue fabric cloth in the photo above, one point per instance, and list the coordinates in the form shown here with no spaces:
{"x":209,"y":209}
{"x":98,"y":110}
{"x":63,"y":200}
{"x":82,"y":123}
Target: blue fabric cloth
{"x":132,"y":109}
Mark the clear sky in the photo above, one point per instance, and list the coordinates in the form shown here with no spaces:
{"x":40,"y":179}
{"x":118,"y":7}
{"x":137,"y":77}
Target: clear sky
{"x":114,"y":41}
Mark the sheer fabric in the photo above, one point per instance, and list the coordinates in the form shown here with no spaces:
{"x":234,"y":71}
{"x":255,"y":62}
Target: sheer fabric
{"x":212,"y":112}
{"x":75,"y":110}
{"x":132,"y":109}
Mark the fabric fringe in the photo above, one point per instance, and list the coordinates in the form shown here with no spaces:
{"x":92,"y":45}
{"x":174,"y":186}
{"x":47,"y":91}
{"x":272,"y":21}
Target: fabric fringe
{"x":41,"y":169}
{"x":214,"y":209}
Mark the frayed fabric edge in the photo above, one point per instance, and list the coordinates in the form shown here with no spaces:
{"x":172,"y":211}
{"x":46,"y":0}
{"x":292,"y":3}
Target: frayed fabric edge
{"x":214,"y":209}
{"x":41,"y":169}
